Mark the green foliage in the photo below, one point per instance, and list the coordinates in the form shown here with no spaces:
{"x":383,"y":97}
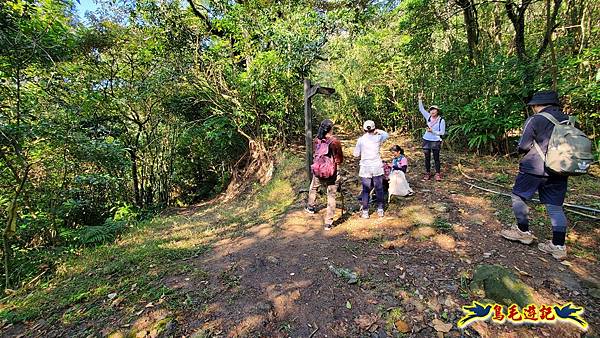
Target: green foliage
{"x":415,"y":47}
{"x":97,"y":234}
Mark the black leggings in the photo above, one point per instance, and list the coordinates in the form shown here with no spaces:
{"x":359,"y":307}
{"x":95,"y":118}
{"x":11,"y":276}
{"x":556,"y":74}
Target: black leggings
{"x":436,"y":159}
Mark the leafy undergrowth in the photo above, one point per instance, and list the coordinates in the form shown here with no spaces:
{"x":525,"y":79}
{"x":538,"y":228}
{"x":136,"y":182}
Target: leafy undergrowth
{"x":124,"y":278}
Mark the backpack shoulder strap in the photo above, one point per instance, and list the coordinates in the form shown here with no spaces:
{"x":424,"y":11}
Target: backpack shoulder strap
{"x":555,"y":122}
{"x":539,"y":150}
{"x":550,"y":118}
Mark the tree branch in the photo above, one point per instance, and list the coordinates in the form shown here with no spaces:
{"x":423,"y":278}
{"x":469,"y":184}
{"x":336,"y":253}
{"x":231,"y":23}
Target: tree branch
{"x":550,"y":26}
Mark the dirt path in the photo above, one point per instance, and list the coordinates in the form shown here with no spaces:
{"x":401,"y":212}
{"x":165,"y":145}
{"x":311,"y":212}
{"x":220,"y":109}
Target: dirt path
{"x":278,"y":280}
{"x":261,"y":266}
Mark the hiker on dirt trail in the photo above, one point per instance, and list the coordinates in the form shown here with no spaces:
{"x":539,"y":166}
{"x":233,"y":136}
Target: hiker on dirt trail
{"x":432,"y":139}
{"x":533,"y":176}
{"x":398,"y":184}
{"x":371,"y":169}
{"x":327,"y":156}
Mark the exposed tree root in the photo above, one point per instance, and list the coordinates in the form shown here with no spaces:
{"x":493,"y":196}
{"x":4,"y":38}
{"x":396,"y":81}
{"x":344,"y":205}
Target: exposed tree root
{"x":256,"y":165}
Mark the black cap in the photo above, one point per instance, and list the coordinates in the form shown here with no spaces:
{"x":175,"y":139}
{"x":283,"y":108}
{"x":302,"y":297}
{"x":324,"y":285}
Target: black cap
{"x":395,"y":148}
{"x":547,"y":97}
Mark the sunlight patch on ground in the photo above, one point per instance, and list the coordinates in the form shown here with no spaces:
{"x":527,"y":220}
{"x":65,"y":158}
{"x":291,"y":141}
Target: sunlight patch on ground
{"x":459,"y":229}
{"x":445,"y":242}
{"x":478,"y":202}
{"x":284,"y":298}
{"x":396,"y":243}
{"x":416,"y":214}
{"x":422,"y":232}
{"x":246,"y":326}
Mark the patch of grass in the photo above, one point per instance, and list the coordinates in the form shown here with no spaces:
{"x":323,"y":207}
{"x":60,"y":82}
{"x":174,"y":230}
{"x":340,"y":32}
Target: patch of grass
{"x":352,"y":249}
{"x":391,"y":317}
{"x":229,"y":279}
{"x":285,"y":327}
{"x":502,"y":178}
{"x":581,"y":251}
{"x":443,"y":225}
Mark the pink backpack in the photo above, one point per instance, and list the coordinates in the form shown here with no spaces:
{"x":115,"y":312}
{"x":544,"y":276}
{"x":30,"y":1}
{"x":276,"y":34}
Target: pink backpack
{"x":323,"y":166}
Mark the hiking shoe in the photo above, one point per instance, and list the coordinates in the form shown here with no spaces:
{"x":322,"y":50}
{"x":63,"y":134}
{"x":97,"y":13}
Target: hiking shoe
{"x":364,"y":214}
{"x":310,"y":210}
{"x":426,"y":177}
{"x":438,"y":177}
{"x":557,"y":251}
{"x":328,"y":227}
{"x":514,"y":234}
{"x":380,"y":212}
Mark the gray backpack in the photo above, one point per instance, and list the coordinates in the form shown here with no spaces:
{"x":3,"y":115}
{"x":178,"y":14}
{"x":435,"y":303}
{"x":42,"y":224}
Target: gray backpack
{"x":569,"y":149}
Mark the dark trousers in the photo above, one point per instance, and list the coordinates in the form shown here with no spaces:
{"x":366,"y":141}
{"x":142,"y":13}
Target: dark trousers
{"x":367,"y":185}
{"x":436,"y":159}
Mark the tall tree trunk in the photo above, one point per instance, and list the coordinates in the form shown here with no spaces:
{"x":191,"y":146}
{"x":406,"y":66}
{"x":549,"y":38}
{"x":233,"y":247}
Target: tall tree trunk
{"x":516,"y":14}
{"x":11,"y":224}
{"x":471,"y":26}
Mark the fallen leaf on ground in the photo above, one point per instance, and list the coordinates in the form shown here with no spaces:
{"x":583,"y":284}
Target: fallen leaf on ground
{"x":348,"y":305}
{"x":117,"y":301}
{"x":112,"y":295}
{"x":482,"y":329}
{"x":364,"y":322}
{"x":440,"y":326}
{"x":402,"y":326}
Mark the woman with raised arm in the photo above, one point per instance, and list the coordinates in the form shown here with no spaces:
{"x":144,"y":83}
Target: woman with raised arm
{"x":432,"y":139}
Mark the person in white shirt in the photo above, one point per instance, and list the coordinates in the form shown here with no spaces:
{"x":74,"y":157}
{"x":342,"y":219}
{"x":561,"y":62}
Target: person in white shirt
{"x":371,"y":169}
{"x":432,"y":139}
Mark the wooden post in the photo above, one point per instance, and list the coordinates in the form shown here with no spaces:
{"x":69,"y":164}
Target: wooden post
{"x":308,"y":127}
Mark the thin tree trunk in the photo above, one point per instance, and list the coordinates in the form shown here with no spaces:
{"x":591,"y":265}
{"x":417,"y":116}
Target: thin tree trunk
{"x":134,"y":176}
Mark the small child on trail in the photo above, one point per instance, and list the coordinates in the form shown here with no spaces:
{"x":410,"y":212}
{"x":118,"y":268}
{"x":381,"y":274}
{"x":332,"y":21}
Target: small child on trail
{"x":398,"y":185}
{"x":399,"y":162}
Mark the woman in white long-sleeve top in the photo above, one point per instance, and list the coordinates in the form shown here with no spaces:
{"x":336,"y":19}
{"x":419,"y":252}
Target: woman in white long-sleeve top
{"x":432,"y":139}
{"x":371,"y":169}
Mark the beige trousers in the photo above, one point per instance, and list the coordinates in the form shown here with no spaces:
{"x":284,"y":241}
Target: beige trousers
{"x":331,"y":186}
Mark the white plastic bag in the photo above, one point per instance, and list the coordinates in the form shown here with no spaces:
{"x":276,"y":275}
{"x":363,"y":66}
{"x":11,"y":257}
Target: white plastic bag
{"x":398,"y":184}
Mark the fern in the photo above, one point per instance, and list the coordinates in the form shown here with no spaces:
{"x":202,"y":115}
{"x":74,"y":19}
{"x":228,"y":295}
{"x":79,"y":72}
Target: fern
{"x":98,"y":234}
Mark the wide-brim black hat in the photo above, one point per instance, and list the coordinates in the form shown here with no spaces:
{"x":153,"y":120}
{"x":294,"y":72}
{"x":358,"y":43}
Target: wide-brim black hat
{"x":546,"y":97}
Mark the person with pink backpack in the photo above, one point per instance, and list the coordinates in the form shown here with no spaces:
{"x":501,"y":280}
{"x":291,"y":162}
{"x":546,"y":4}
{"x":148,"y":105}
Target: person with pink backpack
{"x":328,"y":156}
